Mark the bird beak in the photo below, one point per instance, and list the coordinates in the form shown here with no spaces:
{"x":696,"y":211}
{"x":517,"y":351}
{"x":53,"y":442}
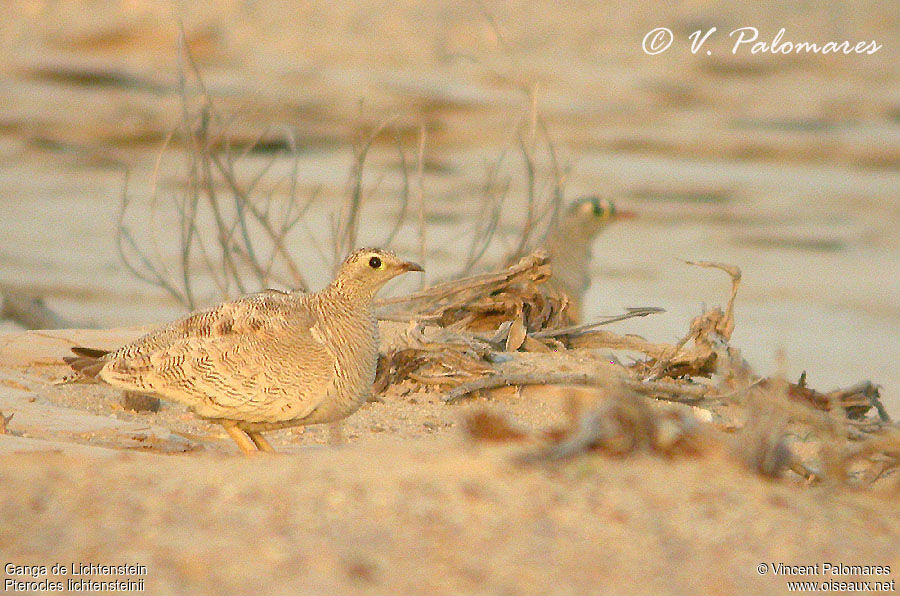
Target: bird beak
{"x":410,"y":266}
{"x":626,"y":214}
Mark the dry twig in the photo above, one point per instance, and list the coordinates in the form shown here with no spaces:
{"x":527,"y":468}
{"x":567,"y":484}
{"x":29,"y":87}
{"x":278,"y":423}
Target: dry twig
{"x":235,"y":233}
{"x":29,"y":311}
{"x":4,"y":422}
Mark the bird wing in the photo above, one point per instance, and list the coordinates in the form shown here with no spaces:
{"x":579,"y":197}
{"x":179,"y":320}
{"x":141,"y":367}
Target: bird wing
{"x":248,"y":313}
{"x":258,"y":358}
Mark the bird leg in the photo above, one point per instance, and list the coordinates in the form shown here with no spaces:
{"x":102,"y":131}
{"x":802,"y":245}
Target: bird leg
{"x":260,"y":441}
{"x":231,"y":427}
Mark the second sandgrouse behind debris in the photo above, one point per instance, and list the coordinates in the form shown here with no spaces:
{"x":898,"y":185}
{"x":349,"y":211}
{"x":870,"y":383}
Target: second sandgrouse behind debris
{"x":569,"y":245}
{"x":265,"y":361}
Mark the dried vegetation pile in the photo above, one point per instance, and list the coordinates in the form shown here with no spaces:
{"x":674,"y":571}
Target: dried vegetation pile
{"x":502,"y":329}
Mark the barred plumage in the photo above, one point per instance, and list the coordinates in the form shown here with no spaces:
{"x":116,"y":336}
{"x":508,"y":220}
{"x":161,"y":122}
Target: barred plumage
{"x":265,"y":361}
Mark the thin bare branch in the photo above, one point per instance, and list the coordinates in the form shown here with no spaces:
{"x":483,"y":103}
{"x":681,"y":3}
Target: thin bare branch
{"x":577,"y":329}
{"x":348,"y":226}
{"x":420,"y":201}
{"x":404,"y":192}
{"x":677,"y":392}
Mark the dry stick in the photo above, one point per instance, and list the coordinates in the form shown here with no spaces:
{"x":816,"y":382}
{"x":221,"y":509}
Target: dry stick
{"x":269,"y":202}
{"x":735,"y":274}
{"x":189,"y":225}
{"x":534,"y":215}
{"x":309,"y":233}
{"x":206,"y":152}
{"x":202,"y":148}
{"x":334,"y":224}
{"x":576,"y":329}
{"x":4,"y":422}
{"x":404,"y":195}
{"x":276,"y":237}
{"x":499,"y":203}
{"x":263,"y":222}
{"x":190,"y":58}
{"x":192,"y":197}
{"x":242,"y":201}
{"x":292,"y":192}
{"x":420,"y":196}
{"x":269,"y":275}
{"x":609,"y":340}
{"x":221,"y":284}
{"x":188,"y":219}
{"x":240,"y":221}
{"x":476,"y":236}
{"x":187,"y":211}
{"x":230,"y":161}
{"x":528,"y":160}
{"x":287,"y":223}
{"x":199,"y":175}
{"x":187,"y":214}
{"x":267,"y":272}
{"x":156,"y":272}
{"x":527,"y":150}
{"x":264,"y":272}
{"x":29,"y":311}
{"x":663,"y":360}
{"x":153,"y":275}
{"x":449,"y":288}
{"x":482,"y":239}
{"x":154,"y":199}
{"x":666,"y":391}
{"x":559,"y":181}
{"x":345,"y":238}
{"x":240,"y":206}
{"x":230,"y":179}
{"x":535,"y":120}
{"x":206,"y":158}
{"x":345,"y":235}
{"x":123,"y":237}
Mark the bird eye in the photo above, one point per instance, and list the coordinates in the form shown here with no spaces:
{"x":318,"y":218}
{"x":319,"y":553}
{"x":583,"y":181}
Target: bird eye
{"x":375,"y":263}
{"x":604,"y":208}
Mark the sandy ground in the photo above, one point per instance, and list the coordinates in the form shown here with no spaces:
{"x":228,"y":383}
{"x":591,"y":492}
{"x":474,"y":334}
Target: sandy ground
{"x":788,"y":167}
{"x":408,"y":504}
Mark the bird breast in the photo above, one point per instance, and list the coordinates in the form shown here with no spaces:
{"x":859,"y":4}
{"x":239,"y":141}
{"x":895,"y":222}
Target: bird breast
{"x":351,"y":336}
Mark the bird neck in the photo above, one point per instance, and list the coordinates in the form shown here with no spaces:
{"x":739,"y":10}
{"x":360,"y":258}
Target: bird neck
{"x":351,"y":291}
{"x":570,"y":258}
{"x":570,"y":243}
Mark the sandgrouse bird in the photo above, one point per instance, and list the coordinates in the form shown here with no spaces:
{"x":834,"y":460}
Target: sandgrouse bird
{"x":569,"y":245}
{"x":265,"y":361}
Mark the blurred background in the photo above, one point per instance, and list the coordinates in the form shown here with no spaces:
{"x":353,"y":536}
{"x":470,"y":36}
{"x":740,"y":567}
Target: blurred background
{"x":785,"y":165}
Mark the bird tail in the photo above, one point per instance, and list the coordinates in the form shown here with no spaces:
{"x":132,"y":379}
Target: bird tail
{"x":87,"y":363}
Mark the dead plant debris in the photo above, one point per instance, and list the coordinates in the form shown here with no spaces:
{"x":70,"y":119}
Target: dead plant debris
{"x":508,"y":328}
{"x":4,"y":422}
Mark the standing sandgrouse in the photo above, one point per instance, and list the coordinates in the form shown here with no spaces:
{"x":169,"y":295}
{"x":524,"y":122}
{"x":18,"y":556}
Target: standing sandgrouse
{"x":265,"y":361}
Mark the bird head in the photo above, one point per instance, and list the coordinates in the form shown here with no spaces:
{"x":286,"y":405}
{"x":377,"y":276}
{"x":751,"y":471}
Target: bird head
{"x":366,"y":270}
{"x":587,"y":216}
